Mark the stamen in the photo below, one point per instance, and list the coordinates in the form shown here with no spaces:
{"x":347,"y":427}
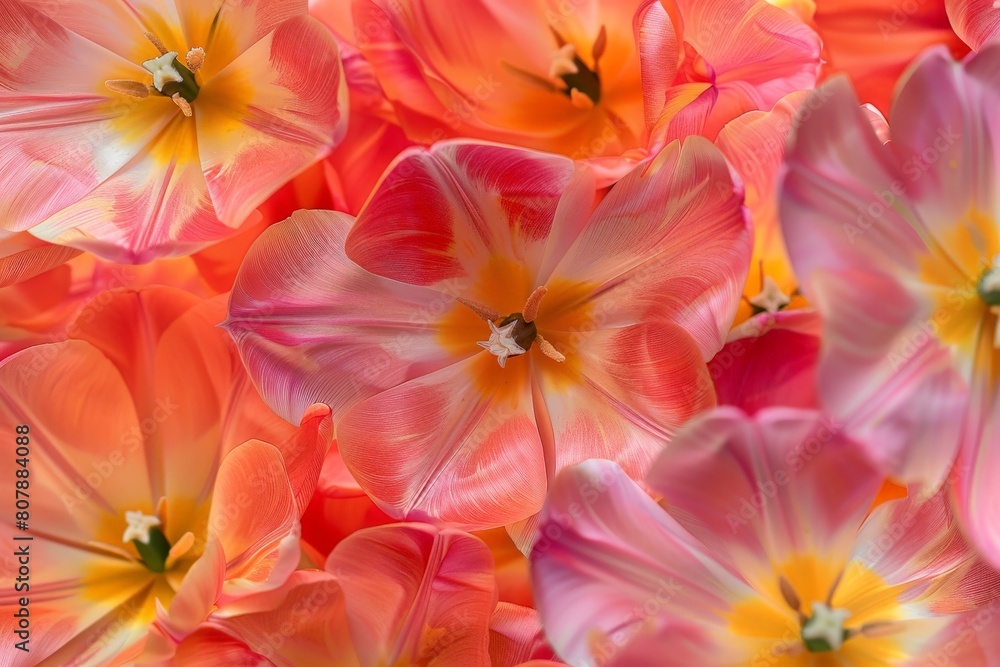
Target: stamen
{"x":833,"y":588}
{"x":157,"y":43}
{"x":530,"y":311}
{"x":880,"y":629}
{"x":195,"y":58}
{"x":789,"y":594}
{"x":600,"y":44}
{"x":130,"y":88}
{"x":484,"y":312}
{"x":183,"y":104}
{"x":548,"y":350}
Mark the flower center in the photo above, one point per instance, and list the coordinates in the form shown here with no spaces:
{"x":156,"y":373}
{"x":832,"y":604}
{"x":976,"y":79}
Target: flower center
{"x":516,"y":332}
{"x":171,"y":78}
{"x":143,"y":531}
{"x":569,"y":75}
{"x":989,"y":291}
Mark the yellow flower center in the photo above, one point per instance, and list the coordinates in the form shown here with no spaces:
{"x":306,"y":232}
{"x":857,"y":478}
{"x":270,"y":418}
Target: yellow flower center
{"x":171,"y":78}
{"x":811,"y":611}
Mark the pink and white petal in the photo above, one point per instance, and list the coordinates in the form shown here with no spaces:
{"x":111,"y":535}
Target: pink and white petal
{"x":255,"y":519}
{"x":759,"y":490}
{"x":842,"y":197}
{"x":776,"y":365}
{"x":670,"y":239}
{"x":275,"y":110}
{"x":312,"y":326}
{"x":606,"y":550}
{"x":637,"y":386}
{"x":949,"y":156}
{"x":416,"y":594}
{"x":22,"y":257}
{"x":460,"y":445}
{"x":977,"y":22}
{"x":301,"y":623}
{"x":516,"y":636}
{"x":447,"y":210}
{"x":117,"y":26}
{"x":973,"y":486}
{"x":658,"y":56}
{"x":156,"y":205}
{"x":928,"y":558}
{"x":886,"y":377}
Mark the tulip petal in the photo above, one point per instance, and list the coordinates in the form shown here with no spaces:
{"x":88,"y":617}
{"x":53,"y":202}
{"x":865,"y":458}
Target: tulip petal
{"x":474,"y":457}
{"x":758,"y":491}
{"x":639,"y":384}
{"x":977,"y":22}
{"x":255,"y":519}
{"x":255,"y":135}
{"x":22,"y":257}
{"x":312,"y":326}
{"x":516,"y":636}
{"x":301,"y":623}
{"x":930,"y":558}
{"x":670,"y":239}
{"x":447,"y":210}
{"x":430,"y":601}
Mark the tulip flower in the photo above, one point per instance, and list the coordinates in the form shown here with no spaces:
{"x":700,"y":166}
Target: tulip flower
{"x":897,"y":246}
{"x":136,"y":132}
{"x":484,"y":324}
{"x":157,"y":477}
{"x":768,"y":552}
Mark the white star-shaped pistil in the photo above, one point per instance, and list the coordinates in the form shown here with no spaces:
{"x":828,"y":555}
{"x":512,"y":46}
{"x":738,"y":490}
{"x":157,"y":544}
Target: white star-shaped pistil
{"x":563,"y":62}
{"x":501,"y":343}
{"x":138,"y":527}
{"x":826,"y":624}
{"x":771,"y":298}
{"x":163,"y":70}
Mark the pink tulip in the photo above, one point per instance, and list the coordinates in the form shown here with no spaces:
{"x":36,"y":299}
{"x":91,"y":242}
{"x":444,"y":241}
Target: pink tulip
{"x":707,"y":62}
{"x":897,"y":246}
{"x":139,"y":131}
{"x":406,"y":324}
{"x":767,"y":553}
{"x":157,"y":476}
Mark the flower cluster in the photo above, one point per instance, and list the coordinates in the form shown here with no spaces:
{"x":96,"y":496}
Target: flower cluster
{"x":521,"y":333}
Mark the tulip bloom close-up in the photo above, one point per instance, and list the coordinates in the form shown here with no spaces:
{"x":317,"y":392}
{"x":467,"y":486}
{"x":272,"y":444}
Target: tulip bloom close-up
{"x":142,"y":131}
{"x":499,"y":333}
{"x":492,"y":292}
